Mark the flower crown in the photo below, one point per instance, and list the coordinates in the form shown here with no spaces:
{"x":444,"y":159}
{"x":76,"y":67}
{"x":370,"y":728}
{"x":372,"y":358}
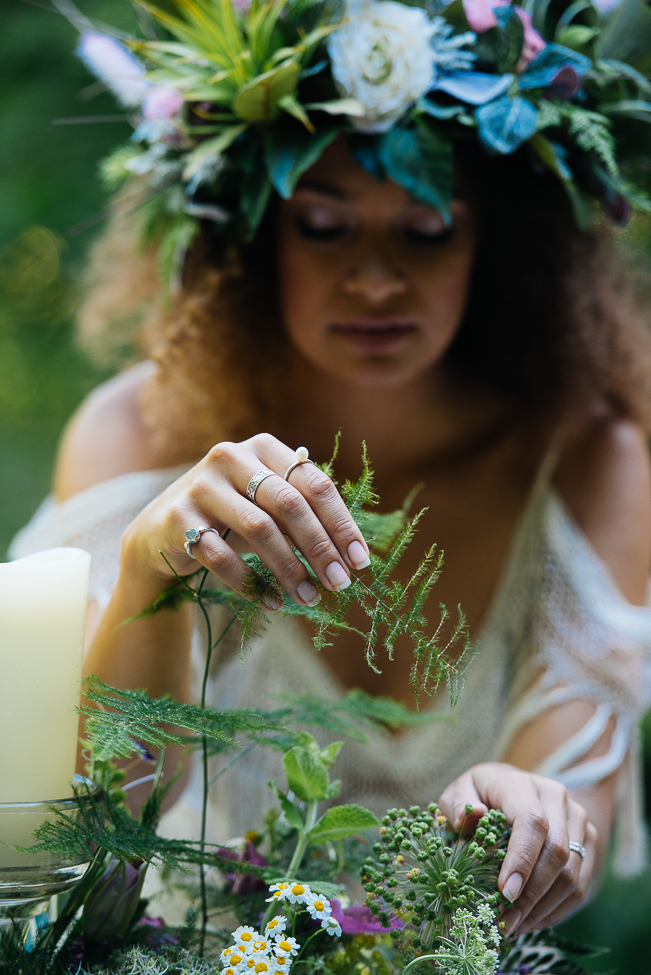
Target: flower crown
{"x":243,"y":96}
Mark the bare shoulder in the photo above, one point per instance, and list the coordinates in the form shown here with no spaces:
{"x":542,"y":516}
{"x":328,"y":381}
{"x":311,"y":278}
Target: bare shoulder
{"x":106,"y":437}
{"x":605,"y":478}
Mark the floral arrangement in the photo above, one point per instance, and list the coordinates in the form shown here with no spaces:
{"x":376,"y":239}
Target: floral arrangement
{"x":237,"y":98}
{"x":428,"y":896}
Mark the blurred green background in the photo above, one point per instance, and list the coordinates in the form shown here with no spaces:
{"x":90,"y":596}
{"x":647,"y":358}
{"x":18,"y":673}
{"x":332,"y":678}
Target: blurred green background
{"x":49,"y":193}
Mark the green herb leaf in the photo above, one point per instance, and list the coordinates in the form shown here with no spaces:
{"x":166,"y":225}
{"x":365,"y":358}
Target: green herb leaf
{"x":339,"y":822}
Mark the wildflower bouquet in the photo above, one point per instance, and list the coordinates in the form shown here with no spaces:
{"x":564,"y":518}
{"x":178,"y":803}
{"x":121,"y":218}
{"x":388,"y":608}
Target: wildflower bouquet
{"x":281,"y":899}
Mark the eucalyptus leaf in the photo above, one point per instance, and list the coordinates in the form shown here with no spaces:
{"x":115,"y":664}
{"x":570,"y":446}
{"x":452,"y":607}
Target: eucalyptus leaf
{"x":506,"y":123}
{"x":474,"y":87}
{"x":339,"y":822}
{"x":338,"y":106}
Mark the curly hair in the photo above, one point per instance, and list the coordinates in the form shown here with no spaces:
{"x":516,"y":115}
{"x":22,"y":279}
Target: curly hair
{"x":552,"y":323}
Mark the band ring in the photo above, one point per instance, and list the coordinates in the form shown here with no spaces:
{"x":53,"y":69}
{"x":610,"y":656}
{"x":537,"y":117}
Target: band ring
{"x":302,"y":457}
{"x":256,"y":481}
{"x":193,"y":535}
{"x":577,"y":848}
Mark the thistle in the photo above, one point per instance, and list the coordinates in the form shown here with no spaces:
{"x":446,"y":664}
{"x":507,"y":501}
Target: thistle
{"x":423,"y":874}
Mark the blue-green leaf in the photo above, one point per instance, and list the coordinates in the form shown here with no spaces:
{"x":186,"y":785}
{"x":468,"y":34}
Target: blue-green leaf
{"x":289,"y":153}
{"x":505,"y":124}
{"x":546,"y":65}
{"x":420,"y":161}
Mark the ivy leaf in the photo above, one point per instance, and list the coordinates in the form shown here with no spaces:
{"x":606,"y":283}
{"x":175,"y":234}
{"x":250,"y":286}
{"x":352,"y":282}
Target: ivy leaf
{"x":292,"y":814}
{"x":420,"y":161}
{"x":339,"y":822}
{"x":307,"y":775}
{"x":290,"y":152}
{"x":505,"y":124}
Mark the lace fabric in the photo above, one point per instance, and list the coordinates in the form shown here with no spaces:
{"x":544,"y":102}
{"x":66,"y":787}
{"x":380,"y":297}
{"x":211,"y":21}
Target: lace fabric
{"x":558,"y":630}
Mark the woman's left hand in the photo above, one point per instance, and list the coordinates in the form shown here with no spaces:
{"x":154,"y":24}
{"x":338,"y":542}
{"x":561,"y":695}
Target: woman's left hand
{"x":540,"y":875}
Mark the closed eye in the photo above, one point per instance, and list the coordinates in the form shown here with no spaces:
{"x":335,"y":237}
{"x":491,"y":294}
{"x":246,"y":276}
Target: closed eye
{"x":325,"y":232}
{"x":417,"y":236}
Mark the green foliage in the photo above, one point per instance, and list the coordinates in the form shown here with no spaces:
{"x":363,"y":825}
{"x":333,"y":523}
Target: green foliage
{"x":339,"y":822}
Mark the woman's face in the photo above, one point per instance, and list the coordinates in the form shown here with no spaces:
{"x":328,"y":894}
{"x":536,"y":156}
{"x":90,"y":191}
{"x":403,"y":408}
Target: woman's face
{"x":373,"y":284}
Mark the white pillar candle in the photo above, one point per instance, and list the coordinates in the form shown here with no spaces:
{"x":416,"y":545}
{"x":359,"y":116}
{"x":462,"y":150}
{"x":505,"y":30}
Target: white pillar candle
{"x":42,"y":614}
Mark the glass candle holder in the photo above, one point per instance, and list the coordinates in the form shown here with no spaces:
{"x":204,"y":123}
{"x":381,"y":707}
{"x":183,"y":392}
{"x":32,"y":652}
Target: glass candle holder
{"x":28,"y":880}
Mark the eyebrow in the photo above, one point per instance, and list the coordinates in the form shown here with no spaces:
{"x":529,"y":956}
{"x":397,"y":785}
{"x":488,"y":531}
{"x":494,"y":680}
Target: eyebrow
{"x":324,"y":188}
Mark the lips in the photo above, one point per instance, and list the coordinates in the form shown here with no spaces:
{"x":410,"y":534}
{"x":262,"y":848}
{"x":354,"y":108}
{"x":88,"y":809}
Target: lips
{"x":374,"y":334}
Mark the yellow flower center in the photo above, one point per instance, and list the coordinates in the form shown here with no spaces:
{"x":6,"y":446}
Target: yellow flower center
{"x":236,"y":959}
{"x":319,"y":905}
{"x":284,"y":946}
{"x":227,"y":951}
{"x":261,"y":967}
{"x":298,"y":889}
{"x":247,"y":936}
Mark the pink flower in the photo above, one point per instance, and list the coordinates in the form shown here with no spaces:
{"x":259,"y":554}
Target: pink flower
{"x":358,"y":919}
{"x":161,"y":104}
{"x":481,"y":17}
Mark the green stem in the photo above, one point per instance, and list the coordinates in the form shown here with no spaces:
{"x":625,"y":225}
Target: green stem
{"x":301,"y":846}
{"x":422,"y":958}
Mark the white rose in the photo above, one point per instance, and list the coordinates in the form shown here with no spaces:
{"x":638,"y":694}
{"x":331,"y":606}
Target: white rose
{"x":382,"y":56}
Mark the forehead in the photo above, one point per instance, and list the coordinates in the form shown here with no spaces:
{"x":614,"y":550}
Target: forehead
{"x":338,"y":175}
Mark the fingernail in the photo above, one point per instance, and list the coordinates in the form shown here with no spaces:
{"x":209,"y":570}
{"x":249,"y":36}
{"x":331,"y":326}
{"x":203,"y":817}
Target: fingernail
{"x":272,"y":602}
{"x":337,"y":576}
{"x":358,"y":555}
{"x":513,"y":886}
{"x":512,"y":919}
{"x":308,"y":593}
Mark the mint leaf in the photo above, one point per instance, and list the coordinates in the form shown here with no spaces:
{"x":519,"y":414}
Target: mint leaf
{"x":339,"y":822}
{"x":307,"y":776}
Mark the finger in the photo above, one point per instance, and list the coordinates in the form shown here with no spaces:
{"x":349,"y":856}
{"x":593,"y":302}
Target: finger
{"x":462,"y":804}
{"x":578,"y":894}
{"x":214,"y":554}
{"x":554,"y":852}
{"x":566,"y":882}
{"x":322,"y":496}
{"x":265,"y":538}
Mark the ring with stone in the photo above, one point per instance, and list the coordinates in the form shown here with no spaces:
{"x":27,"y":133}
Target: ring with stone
{"x":256,"y":481}
{"x":193,"y":535}
{"x":577,"y":848}
{"x":302,"y":457}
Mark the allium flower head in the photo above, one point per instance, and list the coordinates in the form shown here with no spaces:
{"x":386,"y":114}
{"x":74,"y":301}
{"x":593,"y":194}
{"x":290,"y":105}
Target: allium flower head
{"x":423,"y":873}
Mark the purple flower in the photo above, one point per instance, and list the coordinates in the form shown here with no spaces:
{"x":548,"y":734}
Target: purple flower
{"x":358,"y":919}
{"x":112,"y":902}
{"x":566,"y":84}
{"x":480,"y":15}
{"x":162,"y":103}
{"x":244,"y":883}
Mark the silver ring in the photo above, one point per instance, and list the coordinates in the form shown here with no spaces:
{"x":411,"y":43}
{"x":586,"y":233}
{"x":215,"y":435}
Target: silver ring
{"x":302,"y":457}
{"x":193,"y":535}
{"x":256,"y":481}
{"x":577,"y":848}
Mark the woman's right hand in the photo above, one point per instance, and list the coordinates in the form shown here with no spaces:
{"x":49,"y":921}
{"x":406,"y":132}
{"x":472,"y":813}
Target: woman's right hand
{"x":306,"y":512}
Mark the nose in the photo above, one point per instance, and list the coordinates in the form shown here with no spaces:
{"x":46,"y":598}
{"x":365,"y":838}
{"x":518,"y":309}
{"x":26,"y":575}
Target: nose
{"x":375,"y":279}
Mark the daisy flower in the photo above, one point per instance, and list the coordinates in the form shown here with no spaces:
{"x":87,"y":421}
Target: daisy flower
{"x":261,"y":963}
{"x":247,"y":936}
{"x":276,"y":926}
{"x":332,"y":927}
{"x":287,"y":947}
{"x":262,"y":945}
{"x":318,"y":907}
{"x":277,"y":891}
{"x":297,"y":893}
{"x":228,"y":971}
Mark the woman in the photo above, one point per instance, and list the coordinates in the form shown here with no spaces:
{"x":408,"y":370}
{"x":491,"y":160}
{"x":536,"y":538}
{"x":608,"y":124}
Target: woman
{"x":491,"y":357}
